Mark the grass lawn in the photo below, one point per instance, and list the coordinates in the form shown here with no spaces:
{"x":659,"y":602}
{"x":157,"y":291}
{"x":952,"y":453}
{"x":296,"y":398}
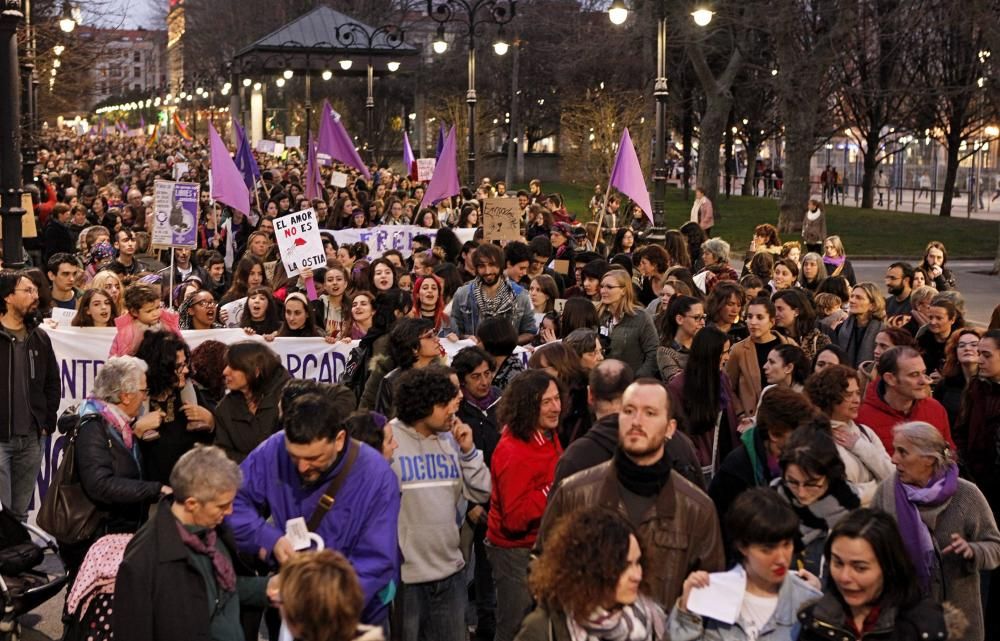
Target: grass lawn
{"x":865,"y":232}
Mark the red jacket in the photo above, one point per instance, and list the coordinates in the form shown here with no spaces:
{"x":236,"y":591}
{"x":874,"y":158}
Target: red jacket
{"x":878,"y":415}
{"x":522,"y":477}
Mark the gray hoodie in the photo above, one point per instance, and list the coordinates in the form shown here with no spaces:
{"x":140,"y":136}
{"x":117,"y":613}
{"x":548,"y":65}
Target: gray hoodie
{"x":435,"y":478}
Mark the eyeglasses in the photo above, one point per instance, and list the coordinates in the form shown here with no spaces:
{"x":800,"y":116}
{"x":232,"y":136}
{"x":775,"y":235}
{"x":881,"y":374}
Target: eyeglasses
{"x":26,"y":290}
{"x":612,"y":286}
{"x":807,"y":485}
{"x":205,"y":303}
{"x":429,"y":334}
{"x":697,"y":317}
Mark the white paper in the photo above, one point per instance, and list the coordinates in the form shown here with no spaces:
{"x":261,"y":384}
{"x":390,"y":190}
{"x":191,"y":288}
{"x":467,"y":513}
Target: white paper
{"x":425,"y":168}
{"x":338,"y":179}
{"x":299,"y":241}
{"x":723,"y":597}
{"x":293,"y":142}
{"x":266,"y":146}
{"x":279,"y":149}
{"x":180,"y":168}
{"x":62,"y":315}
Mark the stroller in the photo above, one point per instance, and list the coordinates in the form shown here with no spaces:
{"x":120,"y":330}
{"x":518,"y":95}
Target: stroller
{"x":23,"y":584}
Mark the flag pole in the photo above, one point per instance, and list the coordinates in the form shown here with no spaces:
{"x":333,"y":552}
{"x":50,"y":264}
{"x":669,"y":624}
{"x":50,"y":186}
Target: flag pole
{"x":171,"y":278}
{"x":600,"y":219}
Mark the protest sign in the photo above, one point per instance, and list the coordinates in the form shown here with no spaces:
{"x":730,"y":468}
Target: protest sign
{"x":175,"y":214}
{"x":501,"y":219}
{"x":266,"y":146}
{"x":425,"y":168}
{"x":299,"y":242}
{"x":338,"y":179}
{"x":293,"y":142}
{"x":382,"y":238}
{"x":180,"y":168}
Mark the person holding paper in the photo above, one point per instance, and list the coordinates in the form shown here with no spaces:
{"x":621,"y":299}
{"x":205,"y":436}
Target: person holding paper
{"x":760,"y":597}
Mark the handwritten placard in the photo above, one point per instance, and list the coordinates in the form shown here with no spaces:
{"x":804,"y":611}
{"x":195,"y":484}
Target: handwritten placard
{"x":425,"y":168}
{"x":338,"y":179}
{"x":501,"y":219}
{"x":299,"y":241}
{"x":293,"y":142}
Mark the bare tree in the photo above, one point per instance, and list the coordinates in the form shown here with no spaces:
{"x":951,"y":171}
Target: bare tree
{"x":592,"y":129}
{"x":805,"y":35}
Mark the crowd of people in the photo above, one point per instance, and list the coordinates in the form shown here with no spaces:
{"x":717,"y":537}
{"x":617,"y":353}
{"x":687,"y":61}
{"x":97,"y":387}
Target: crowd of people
{"x":624,"y":418}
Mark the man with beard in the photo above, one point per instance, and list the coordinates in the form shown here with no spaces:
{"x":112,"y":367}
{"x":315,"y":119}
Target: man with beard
{"x":492,"y":295}
{"x":677,"y":523}
{"x":311,"y":475}
{"x":899,"y":282}
{"x":31,"y":391}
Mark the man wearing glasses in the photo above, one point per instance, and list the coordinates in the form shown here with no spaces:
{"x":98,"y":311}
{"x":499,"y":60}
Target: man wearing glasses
{"x":30,"y":396}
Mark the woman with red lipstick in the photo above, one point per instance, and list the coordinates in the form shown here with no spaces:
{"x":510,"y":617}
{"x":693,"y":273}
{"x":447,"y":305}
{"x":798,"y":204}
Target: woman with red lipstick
{"x":872,"y":591}
{"x":763,"y":529}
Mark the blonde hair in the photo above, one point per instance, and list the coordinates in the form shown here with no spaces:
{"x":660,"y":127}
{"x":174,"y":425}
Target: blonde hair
{"x":627,"y":305}
{"x":837,"y":244}
{"x":874,"y":297}
{"x":100,"y":281}
{"x":321,"y":597}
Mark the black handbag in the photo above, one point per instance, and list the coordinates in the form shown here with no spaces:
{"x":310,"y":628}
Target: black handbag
{"x":67,"y":513}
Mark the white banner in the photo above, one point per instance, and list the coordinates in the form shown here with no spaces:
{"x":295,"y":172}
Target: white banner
{"x":382,"y":238}
{"x":80,"y":351}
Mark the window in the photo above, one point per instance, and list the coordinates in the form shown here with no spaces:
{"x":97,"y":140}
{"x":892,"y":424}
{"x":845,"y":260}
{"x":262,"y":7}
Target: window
{"x":137,"y":72}
{"x":137,"y":56}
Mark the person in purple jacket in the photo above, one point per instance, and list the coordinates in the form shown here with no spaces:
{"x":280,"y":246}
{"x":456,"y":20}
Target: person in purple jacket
{"x":284,"y":478}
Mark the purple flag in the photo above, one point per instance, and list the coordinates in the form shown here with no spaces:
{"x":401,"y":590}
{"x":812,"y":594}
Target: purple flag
{"x":336,"y":142}
{"x":440,"y":145}
{"x":244,"y":158}
{"x":314,"y":179}
{"x":227,"y":183}
{"x":408,"y":158}
{"x":444,"y":183}
{"x":142,"y":122}
{"x":626,"y":176}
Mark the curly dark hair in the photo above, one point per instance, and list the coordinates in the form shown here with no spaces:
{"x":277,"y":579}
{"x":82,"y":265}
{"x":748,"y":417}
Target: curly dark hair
{"x":404,"y":340}
{"x":418,"y":390}
{"x":828,"y":387}
{"x":159,"y":350}
{"x":207,"y":362}
{"x":561,"y":582}
{"x":522,"y":401}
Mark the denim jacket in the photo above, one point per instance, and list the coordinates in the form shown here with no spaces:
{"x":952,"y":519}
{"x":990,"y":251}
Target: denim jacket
{"x":465,"y":316}
{"x":783,"y":625}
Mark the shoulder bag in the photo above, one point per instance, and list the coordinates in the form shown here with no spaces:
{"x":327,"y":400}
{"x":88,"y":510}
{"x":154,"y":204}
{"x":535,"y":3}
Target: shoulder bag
{"x":67,"y":513}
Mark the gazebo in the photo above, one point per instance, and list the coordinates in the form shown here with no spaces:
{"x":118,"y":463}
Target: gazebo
{"x":324,"y":43}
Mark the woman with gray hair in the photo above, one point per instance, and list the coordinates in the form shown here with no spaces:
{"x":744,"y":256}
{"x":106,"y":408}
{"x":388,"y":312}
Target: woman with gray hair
{"x":157,"y":595}
{"x":948,"y":528}
{"x":107,"y":449}
{"x":715,"y":257}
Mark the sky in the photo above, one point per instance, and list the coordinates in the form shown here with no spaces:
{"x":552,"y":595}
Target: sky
{"x":128,"y":14}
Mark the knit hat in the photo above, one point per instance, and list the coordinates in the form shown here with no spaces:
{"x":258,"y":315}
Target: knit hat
{"x":562,"y":228}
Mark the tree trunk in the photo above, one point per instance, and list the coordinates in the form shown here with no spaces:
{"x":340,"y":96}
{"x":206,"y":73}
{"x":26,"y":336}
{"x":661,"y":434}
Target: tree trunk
{"x":687,"y":133}
{"x":952,"y":143}
{"x":713,"y":126}
{"x":800,"y":141}
{"x":869,"y":164}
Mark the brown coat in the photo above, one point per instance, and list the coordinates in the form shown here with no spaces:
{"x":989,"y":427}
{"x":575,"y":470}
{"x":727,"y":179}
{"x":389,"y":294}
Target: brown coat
{"x":744,"y":374}
{"x":679,"y":534}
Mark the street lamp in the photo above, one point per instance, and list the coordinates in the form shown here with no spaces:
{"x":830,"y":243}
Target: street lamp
{"x":346,"y":64}
{"x":11,"y":211}
{"x":500,"y":45}
{"x":702,"y":17}
{"x":66,"y":20}
{"x":467,"y":13}
{"x":392,"y":66}
{"x":618,"y":13}
{"x":440,"y":44}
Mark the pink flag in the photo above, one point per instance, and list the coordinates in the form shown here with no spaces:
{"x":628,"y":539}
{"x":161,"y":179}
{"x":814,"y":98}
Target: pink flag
{"x":227,"y":181}
{"x":444,"y":183}
{"x":335,"y":142}
{"x":314,"y":179}
{"x":408,"y":160}
{"x":626,"y":176}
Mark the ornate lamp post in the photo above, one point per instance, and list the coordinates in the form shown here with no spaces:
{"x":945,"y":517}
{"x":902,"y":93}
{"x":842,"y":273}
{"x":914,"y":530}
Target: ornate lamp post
{"x":11,"y":12}
{"x":467,"y":13}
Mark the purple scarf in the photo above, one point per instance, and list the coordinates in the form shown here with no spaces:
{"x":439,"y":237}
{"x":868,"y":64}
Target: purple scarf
{"x":225,"y":575}
{"x":916,"y":535}
{"x":482,"y":403}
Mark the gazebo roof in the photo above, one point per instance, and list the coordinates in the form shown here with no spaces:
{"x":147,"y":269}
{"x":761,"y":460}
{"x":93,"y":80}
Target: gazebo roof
{"x":314,"y":41}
